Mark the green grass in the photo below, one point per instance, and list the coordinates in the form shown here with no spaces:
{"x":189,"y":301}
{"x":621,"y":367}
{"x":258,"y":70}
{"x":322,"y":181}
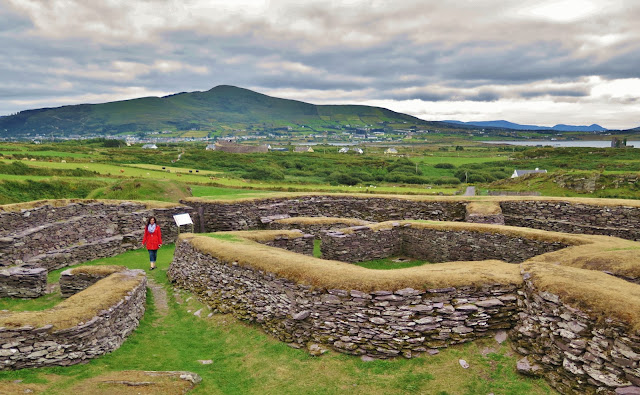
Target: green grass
{"x":52,"y":154}
{"x":226,"y":193}
{"x":224,"y":237}
{"x":248,"y":361}
{"x":317,"y":252}
{"x":389,"y":264}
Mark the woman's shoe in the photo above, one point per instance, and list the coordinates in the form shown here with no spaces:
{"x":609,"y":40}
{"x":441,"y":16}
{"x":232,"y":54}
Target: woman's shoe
{"x":152,"y":268}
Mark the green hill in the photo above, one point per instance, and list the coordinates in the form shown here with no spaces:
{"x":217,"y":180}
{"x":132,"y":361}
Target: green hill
{"x":221,"y":108}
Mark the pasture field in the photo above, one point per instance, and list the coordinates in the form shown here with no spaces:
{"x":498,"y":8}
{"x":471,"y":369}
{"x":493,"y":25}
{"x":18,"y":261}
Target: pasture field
{"x":420,"y":169}
{"x":248,"y":361}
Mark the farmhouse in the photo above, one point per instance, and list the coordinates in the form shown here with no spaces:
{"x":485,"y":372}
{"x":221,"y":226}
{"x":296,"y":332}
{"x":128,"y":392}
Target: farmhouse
{"x":149,"y":146}
{"x":520,"y":173}
{"x":303,"y":149}
{"x":343,"y":150}
{"x":391,"y":151}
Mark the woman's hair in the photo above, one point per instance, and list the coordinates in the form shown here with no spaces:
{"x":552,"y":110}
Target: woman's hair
{"x":154,"y":219}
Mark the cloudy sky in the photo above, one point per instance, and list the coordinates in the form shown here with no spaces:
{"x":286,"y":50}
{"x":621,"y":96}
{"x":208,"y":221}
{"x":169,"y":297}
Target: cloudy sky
{"x":534,"y":62}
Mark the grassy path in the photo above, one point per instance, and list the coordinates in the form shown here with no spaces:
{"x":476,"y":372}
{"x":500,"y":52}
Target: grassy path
{"x":248,"y":361}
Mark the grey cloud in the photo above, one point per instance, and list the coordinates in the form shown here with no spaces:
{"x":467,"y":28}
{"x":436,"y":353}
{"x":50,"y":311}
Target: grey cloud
{"x":554,"y":92}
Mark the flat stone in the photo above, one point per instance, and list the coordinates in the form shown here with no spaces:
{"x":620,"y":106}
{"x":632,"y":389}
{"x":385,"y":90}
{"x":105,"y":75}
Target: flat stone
{"x":501,"y":336}
{"x":528,"y":368}
{"x":489,"y":303}
{"x":205,"y":361}
{"x":628,"y":391}
{"x":316,"y":349}
{"x":463,"y":363}
{"x":301,"y":315}
{"x":366,"y":358}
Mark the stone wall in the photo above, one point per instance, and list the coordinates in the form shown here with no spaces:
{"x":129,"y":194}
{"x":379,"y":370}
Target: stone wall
{"x":363,"y":244}
{"x":54,"y":237}
{"x":301,"y":245}
{"x":73,"y":281}
{"x":29,"y":347}
{"x":577,"y":352}
{"x":20,"y":282}
{"x":433,"y":245}
{"x":570,"y":217}
{"x":221,"y":216}
{"x":379,"y":324}
{"x":316,"y":229}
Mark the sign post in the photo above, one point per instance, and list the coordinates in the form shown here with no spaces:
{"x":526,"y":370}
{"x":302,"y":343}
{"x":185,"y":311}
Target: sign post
{"x":183,"y":219}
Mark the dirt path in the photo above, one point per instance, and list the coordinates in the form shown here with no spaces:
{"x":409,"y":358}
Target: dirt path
{"x":159,"y":297}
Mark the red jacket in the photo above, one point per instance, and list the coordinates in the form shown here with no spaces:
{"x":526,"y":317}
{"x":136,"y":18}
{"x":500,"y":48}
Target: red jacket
{"x":152,"y":240}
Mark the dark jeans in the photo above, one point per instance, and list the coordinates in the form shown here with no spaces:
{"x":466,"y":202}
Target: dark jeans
{"x":153,"y":254}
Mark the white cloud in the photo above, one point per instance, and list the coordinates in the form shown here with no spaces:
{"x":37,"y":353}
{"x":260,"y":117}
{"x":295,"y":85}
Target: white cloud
{"x":116,"y":94}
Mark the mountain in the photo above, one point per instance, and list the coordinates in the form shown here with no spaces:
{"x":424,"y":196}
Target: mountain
{"x":223,"y":107}
{"x":510,"y":125}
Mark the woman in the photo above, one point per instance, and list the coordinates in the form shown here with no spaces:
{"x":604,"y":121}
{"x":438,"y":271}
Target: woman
{"x":152,"y":240}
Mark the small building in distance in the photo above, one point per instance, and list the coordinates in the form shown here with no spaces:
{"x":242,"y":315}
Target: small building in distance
{"x":149,"y":146}
{"x":391,"y":151}
{"x":278,"y":149}
{"x":520,"y":173}
{"x":358,"y":151}
{"x":303,"y":149}
{"x":343,"y":150}
{"x":211,"y":147}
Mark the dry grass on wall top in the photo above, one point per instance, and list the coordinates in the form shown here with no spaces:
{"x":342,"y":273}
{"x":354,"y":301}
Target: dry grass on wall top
{"x":80,"y":307}
{"x":484,"y":208}
{"x":603,"y":253}
{"x":428,"y":198}
{"x":511,"y":231}
{"x":100,"y":270}
{"x":258,"y":235}
{"x":150,"y":204}
{"x":322,"y":221}
{"x":603,"y":295}
{"x":339,"y":275}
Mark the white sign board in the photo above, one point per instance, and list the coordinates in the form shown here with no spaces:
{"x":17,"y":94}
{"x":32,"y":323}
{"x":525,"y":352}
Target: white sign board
{"x":182,"y":219}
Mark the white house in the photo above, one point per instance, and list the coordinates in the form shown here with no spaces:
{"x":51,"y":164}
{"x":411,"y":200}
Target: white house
{"x":211,"y":147}
{"x":391,"y":151}
{"x":343,"y":150}
{"x":358,"y":151}
{"x":149,"y":146}
{"x":520,"y":173}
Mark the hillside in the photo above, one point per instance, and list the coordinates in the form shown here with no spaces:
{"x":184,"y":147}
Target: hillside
{"x":515,"y":126}
{"x":221,"y":108}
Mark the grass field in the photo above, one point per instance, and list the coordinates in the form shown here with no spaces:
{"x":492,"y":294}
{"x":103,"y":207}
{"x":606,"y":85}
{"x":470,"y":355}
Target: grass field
{"x":247,"y":361}
{"x":391,"y":263}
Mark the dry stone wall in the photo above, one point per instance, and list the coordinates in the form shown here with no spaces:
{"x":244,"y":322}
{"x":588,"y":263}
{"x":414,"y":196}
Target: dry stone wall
{"x":315,"y":229}
{"x":577,"y":352}
{"x":29,"y":347}
{"x":379,"y":324}
{"x":301,"y":245}
{"x":54,"y":237}
{"x":222,"y":216}
{"x":20,"y":282}
{"x":570,"y":217}
{"x":362,"y":244}
{"x":73,"y":281}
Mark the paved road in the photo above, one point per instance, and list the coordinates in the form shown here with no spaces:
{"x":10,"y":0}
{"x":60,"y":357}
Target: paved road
{"x":471,"y":191}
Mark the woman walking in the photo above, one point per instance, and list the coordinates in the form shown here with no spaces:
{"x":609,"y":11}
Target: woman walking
{"x":152,"y":240}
